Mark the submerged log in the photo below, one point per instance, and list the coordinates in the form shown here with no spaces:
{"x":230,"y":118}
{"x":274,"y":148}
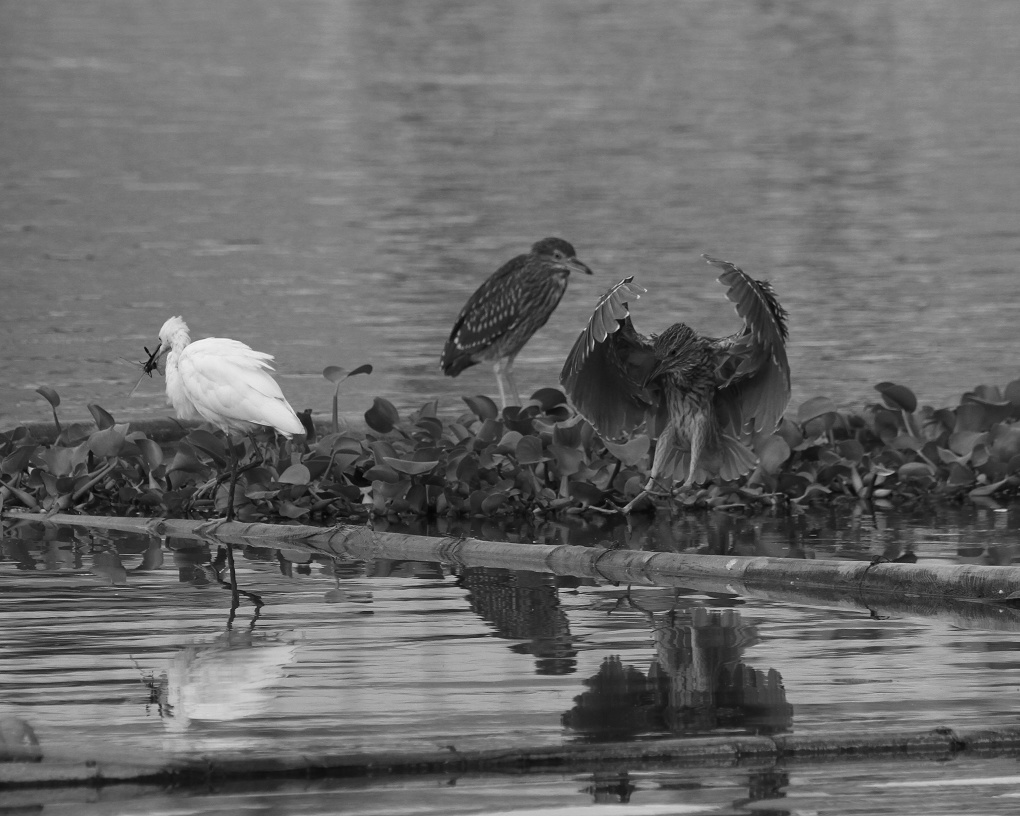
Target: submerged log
{"x":963,"y":594}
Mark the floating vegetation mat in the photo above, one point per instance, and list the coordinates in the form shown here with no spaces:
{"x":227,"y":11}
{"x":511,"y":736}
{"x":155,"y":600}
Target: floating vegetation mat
{"x":538,"y":459}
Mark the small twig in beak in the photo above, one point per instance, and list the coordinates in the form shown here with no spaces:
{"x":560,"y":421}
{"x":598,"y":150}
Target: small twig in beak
{"x":151,"y":364}
{"x":148,"y":366}
{"x":140,"y":378}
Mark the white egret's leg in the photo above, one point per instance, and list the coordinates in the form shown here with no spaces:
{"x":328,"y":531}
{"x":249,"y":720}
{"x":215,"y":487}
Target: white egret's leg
{"x":233,"y":478}
{"x":234,"y":594}
{"x":262,"y":455}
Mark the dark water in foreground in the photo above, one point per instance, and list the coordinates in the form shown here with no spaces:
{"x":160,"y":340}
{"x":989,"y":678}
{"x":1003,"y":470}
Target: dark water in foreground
{"x":116,"y":645}
{"x":328,"y":180}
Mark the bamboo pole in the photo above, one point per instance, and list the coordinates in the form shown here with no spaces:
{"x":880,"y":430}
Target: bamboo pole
{"x":727,"y":751}
{"x":962,"y":594}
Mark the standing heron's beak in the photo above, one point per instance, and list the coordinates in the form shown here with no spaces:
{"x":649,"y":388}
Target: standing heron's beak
{"x":574,"y":265}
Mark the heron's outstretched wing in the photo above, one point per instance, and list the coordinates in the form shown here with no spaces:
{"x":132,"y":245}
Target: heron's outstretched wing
{"x":605,"y":373}
{"x":753,"y":371}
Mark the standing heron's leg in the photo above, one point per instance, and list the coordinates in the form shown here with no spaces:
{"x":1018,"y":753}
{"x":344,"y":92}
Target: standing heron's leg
{"x":511,"y":382}
{"x":504,"y":381}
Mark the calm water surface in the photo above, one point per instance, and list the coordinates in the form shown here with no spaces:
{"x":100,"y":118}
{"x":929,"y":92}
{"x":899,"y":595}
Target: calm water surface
{"x":329,"y":180}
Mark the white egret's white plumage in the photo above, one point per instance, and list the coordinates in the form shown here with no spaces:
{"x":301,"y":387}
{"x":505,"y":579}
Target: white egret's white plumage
{"x":222,"y":381}
{"x":227,"y":384}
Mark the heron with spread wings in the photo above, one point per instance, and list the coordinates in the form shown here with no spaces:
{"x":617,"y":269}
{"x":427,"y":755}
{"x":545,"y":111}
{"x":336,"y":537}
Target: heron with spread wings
{"x":705,"y":399}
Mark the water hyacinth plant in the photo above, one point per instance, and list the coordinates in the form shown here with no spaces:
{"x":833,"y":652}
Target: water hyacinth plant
{"x":539,"y":459}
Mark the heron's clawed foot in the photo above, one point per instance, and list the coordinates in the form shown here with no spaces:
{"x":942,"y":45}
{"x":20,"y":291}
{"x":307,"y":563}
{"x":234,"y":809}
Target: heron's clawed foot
{"x":652,"y":488}
{"x":611,"y":509}
{"x":629,"y":506}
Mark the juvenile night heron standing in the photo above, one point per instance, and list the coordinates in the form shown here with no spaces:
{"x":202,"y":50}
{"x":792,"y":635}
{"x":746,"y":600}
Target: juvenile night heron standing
{"x":503,"y":313}
{"x":706,"y":399}
{"x":224,"y":382}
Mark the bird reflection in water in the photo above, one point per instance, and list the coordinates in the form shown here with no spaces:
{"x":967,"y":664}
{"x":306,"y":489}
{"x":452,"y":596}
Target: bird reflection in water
{"x":525,"y":606}
{"x":233,"y":677}
{"x":697,"y":684}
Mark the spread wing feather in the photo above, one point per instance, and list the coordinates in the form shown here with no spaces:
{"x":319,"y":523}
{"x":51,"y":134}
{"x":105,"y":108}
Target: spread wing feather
{"x":752,"y":367}
{"x":606,"y":371}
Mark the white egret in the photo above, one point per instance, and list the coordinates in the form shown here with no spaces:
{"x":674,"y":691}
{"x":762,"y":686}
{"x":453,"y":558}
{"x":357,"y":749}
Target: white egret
{"x":224,"y":382}
{"x":227,"y":384}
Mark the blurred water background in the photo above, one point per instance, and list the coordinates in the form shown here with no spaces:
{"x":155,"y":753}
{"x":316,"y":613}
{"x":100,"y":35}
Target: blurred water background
{"x":329,"y":180}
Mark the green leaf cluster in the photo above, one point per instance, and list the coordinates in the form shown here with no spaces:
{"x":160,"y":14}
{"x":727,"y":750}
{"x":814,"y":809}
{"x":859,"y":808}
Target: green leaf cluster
{"x":893,"y":453}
